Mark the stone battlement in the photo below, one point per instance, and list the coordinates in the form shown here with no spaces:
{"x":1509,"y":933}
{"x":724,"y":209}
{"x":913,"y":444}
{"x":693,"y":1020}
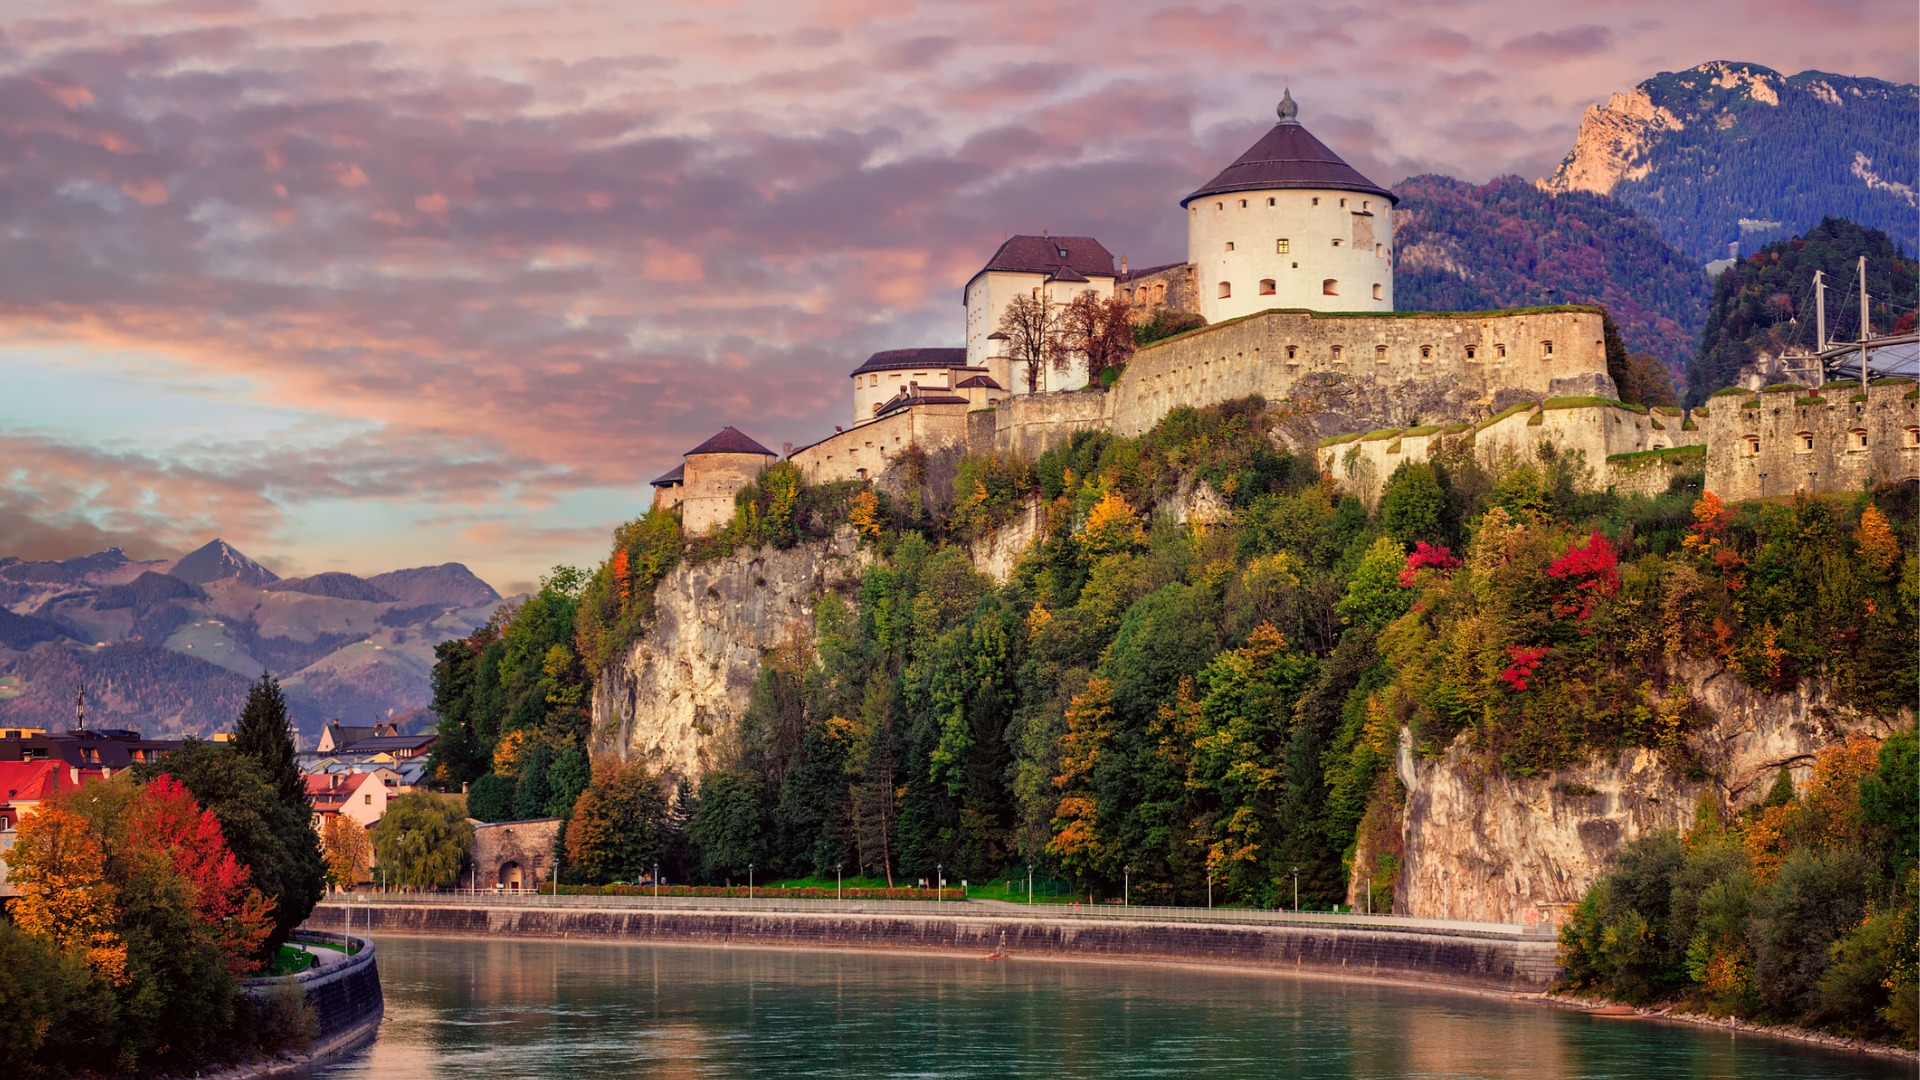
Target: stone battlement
{"x":1785,"y":439}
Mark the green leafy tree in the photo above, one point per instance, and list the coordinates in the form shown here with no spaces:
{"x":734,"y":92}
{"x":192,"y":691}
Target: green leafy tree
{"x":566,"y":779}
{"x":1374,"y":595}
{"x":422,"y":841}
{"x":731,"y":825}
{"x":1414,"y":505}
{"x":491,"y":798}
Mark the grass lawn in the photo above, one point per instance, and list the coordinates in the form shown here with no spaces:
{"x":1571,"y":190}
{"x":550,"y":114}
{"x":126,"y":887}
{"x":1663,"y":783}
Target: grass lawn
{"x":291,"y":961}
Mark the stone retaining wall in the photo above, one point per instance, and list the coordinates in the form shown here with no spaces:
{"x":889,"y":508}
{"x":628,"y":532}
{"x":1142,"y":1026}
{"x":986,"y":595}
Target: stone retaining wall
{"x":345,"y":997}
{"x":1501,"y":962}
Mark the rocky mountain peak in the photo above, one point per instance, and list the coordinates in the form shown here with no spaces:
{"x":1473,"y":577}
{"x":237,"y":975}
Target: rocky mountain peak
{"x":217,"y":561}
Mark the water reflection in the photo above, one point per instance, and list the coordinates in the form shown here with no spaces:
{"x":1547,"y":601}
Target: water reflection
{"x":586,"y":1011}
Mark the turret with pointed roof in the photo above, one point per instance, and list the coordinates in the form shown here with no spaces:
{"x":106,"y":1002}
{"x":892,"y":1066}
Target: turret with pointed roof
{"x":1290,"y":225}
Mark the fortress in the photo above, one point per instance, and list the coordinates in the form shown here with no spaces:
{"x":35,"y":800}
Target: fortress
{"x":1290,"y":269}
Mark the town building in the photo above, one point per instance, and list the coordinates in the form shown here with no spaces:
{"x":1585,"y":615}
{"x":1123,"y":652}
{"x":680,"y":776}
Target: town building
{"x":336,"y":735}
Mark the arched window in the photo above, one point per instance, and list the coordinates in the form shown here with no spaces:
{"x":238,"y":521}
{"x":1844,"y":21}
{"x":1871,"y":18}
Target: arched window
{"x":1266,"y":287}
{"x":1226,"y":290}
{"x":1380,"y":353}
{"x":1330,"y":287}
{"x":1426,"y":352}
{"x":1751,"y":445}
{"x":1379,"y":292}
{"x":1243,"y":204}
{"x":1292,"y":351}
{"x":1336,"y":353}
{"x":1913,"y":436}
{"x":1857,"y":439}
{"x":1280,"y":247}
{"x":1473,"y":352}
{"x":1499,"y":351}
{"x":1803,"y":442}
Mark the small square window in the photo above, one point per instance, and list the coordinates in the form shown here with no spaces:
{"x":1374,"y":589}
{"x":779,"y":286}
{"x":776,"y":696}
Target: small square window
{"x":1270,"y":202}
{"x":1280,"y":247}
{"x":1229,"y":245}
{"x":1316,"y":200}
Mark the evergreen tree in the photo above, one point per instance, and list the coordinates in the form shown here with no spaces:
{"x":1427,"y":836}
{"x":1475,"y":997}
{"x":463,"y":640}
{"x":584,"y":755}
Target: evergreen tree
{"x":265,"y":736}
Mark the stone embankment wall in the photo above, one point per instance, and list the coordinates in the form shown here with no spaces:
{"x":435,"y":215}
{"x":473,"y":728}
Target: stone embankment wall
{"x":680,"y":690}
{"x":345,"y":997}
{"x":1026,"y":424}
{"x":1481,"y":844}
{"x":1785,"y":439}
{"x":1500,"y":962}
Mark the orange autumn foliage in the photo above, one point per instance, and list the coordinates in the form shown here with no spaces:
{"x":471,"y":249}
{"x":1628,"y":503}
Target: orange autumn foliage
{"x":58,"y":869}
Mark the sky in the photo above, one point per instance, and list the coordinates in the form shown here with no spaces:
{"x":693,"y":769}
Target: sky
{"x":361,"y":285}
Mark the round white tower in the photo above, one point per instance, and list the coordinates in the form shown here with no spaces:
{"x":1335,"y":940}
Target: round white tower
{"x":1290,"y":225}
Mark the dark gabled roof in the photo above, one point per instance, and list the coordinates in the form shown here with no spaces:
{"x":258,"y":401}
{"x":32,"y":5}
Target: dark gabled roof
{"x":901,"y":402}
{"x":1287,"y":157}
{"x":1147,"y":271}
{"x":904,"y":359}
{"x":675,"y":475}
{"x":731,"y":440}
{"x":983,"y":381}
{"x":1083,"y":255}
{"x":1067,"y":273}
{"x":998,"y":336}
{"x":380,"y":743}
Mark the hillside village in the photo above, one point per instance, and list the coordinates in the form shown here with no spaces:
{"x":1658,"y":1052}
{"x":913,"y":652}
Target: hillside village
{"x":1289,"y":271}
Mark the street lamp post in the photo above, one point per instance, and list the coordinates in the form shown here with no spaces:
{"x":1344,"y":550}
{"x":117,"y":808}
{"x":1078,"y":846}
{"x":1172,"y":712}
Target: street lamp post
{"x":1126,"y":886}
{"x":1209,"y":888}
{"x":656,"y":881}
{"x":836,"y":880}
{"x":1029,"y":883}
{"x":749,"y":881}
{"x":939,"y":881}
{"x":1296,"y":890}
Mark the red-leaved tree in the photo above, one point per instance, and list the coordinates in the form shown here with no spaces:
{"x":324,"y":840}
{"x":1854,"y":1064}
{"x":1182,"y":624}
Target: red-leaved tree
{"x":1590,"y":572}
{"x":168,"y":821}
{"x":1427,"y":556}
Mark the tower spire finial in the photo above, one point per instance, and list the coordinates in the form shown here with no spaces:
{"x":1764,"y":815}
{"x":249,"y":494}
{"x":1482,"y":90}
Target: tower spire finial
{"x":1289,"y":112}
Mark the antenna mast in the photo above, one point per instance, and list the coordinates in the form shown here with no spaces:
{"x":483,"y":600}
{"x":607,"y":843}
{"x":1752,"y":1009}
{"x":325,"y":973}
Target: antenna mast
{"x":80,"y":708}
{"x":1866,"y":326}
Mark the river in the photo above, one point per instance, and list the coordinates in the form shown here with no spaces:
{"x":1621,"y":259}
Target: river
{"x":460,"y":1008}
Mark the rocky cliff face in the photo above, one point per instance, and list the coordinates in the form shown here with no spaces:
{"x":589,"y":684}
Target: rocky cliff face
{"x":1482,"y":845}
{"x":680,"y":691}
{"x":1613,"y":143}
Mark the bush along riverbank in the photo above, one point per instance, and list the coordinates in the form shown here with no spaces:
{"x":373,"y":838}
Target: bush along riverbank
{"x":1801,"y":911}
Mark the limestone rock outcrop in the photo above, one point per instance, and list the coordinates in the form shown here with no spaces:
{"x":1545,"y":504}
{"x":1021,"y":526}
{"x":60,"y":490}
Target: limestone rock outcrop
{"x":1613,"y":143}
{"x":680,"y":691}
{"x":1479,"y":844}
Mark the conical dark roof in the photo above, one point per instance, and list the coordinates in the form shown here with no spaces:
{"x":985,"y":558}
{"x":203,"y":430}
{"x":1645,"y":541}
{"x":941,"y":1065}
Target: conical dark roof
{"x":675,"y":475}
{"x":731,"y":440}
{"x":1289,"y":157}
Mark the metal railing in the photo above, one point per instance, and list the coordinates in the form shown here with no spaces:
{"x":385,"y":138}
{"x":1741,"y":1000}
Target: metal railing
{"x":955,"y":908}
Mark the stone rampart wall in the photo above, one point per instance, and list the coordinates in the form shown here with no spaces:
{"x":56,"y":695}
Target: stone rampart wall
{"x":706,"y":502}
{"x":1557,"y":352}
{"x":1487,"y":962}
{"x":864,"y":452}
{"x":1029,"y":423}
{"x":1617,"y":442}
{"x":1787,"y":440}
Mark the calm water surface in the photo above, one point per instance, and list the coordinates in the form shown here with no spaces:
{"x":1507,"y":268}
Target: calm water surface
{"x":516,"y":1008}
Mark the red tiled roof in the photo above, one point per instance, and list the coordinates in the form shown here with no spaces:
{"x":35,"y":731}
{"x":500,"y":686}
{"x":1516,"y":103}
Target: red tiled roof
{"x":903,"y":359}
{"x":1289,"y":157}
{"x":33,"y":781}
{"x":731,"y":440}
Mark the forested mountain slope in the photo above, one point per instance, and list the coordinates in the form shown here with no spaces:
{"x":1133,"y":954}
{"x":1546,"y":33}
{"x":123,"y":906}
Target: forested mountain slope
{"x":1730,"y":152}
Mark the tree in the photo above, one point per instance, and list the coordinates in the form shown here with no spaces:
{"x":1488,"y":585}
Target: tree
{"x":275,"y":842}
{"x":731,"y":825}
{"x":422,"y":841}
{"x":1099,"y":331}
{"x":167,"y":821}
{"x":348,"y":851}
{"x":490,"y":798}
{"x":53,"y":1015}
{"x":1032,"y":326}
{"x":618,"y":830}
{"x":568,"y":777}
{"x":58,"y":869}
{"x":1414,"y":505}
{"x":1374,"y":596}
{"x":265,"y":735}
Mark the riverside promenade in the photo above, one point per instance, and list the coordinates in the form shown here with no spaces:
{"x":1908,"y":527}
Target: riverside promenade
{"x":1498,"y":957}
